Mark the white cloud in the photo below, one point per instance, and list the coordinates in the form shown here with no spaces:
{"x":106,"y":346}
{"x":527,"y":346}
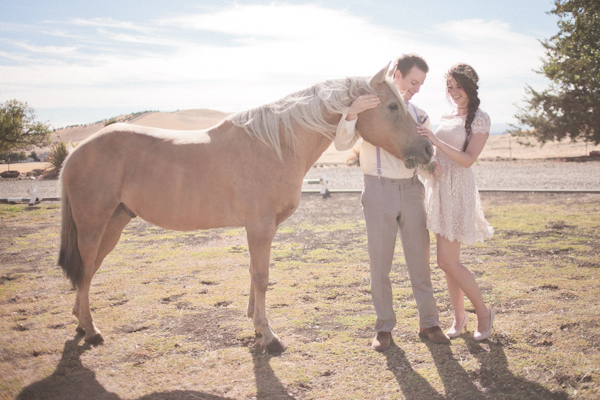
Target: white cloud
{"x":109,"y":23}
{"x":46,"y":49}
{"x":239,"y":57}
{"x":280,"y":22}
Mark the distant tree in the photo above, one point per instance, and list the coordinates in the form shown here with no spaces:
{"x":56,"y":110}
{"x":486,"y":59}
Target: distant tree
{"x":570,"y":107}
{"x":18,"y":128}
{"x":15,"y":156}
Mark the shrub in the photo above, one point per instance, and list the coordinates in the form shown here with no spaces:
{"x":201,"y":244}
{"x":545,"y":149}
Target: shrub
{"x":58,"y":153}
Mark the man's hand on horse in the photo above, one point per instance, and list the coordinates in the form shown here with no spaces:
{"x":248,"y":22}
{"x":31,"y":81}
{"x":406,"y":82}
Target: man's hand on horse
{"x":362,"y":103}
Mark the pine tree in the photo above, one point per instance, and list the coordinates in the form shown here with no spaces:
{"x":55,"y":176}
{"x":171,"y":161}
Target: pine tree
{"x":570,"y":107}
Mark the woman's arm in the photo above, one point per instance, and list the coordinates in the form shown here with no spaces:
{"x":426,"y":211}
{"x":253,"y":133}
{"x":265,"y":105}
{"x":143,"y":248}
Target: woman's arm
{"x":464,"y":158}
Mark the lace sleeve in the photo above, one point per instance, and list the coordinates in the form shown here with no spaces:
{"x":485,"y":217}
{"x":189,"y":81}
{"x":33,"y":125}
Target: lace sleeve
{"x":481,"y":122}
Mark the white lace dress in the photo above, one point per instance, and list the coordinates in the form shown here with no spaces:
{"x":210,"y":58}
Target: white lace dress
{"x":453,"y":204}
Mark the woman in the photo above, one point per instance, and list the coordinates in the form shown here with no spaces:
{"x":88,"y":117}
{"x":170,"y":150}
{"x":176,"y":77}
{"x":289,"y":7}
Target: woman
{"x":454,"y":210}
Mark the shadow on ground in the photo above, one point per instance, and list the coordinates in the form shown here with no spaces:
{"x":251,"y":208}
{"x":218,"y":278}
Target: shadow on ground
{"x":71,"y":380}
{"x":493,"y":379}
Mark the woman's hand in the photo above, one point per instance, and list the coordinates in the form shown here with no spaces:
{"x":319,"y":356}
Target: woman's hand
{"x":423,"y":131}
{"x":362,"y":103}
{"x":431,"y":170}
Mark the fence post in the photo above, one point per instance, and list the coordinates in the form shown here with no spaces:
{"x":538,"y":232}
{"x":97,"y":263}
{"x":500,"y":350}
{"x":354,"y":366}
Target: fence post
{"x":33,"y":194}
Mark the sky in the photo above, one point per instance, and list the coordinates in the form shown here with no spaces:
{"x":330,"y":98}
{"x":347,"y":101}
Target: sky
{"x":78,"y":62}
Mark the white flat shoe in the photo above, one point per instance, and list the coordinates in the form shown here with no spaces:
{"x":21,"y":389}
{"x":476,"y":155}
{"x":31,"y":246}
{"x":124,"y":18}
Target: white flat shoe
{"x":455,"y":332}
{"x":479,"y":336}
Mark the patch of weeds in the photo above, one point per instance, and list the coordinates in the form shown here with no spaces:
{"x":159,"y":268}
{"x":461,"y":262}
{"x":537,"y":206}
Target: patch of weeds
{"x":9,"y":211}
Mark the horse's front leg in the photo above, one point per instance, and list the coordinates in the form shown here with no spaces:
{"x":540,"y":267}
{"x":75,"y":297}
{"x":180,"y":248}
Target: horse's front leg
{"x":260,"y":238}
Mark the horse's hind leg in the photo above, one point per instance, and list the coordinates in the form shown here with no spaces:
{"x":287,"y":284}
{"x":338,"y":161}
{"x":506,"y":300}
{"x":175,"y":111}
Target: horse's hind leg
{"x":251,"y":300}
{"x":260,"y":237}
{"x":92,"y":254}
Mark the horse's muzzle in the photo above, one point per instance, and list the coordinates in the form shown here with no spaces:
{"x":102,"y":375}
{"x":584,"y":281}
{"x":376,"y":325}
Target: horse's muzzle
{"x":420,"y":154}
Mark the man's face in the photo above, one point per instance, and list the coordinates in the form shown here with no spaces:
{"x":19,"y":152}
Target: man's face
{"x":410,"y":84}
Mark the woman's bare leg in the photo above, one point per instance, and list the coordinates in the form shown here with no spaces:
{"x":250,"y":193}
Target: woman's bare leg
{"x":461,"y":281}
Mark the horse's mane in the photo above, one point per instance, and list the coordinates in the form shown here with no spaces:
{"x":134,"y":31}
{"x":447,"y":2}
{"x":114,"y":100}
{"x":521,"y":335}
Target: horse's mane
{"x":307,"y":109}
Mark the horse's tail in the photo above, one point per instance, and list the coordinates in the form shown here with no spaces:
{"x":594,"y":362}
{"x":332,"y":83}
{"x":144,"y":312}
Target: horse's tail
{"x":69,"y":257}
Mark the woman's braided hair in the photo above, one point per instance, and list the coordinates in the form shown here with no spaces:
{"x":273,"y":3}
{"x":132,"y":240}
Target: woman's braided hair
{"x":466,"y":77}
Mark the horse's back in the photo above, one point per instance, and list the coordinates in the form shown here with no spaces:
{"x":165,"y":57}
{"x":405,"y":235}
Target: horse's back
{"x":181,"y":180}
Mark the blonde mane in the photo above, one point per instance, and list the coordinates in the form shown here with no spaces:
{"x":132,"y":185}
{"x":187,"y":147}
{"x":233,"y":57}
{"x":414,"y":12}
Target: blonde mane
{"x":307,"y":109}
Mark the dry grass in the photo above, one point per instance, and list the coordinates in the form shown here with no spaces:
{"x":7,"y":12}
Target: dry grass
{"x":24,"y":167}
{"x":171,"y":306}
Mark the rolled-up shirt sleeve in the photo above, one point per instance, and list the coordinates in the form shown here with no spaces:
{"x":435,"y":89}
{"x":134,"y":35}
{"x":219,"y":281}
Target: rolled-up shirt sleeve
{"x":346,"y":135}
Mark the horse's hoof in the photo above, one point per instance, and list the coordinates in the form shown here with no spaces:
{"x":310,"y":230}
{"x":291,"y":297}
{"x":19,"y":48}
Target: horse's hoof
{"x":276,"y":347}
{"x":95,"y":340}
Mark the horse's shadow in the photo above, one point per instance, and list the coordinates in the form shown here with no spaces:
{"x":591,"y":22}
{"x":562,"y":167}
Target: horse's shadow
{"x":71,"y":380}
{"x":268,"y":385}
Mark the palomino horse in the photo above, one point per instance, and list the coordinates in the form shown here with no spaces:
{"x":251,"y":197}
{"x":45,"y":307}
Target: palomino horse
{"x":246,"y":171}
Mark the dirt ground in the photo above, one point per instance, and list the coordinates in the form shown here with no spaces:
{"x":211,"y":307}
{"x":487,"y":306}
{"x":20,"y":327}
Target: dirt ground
{"x":178,"y":331}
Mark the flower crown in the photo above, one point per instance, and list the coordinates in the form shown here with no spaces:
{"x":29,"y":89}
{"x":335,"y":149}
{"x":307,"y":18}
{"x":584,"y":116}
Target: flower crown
{"x":464,"y":70}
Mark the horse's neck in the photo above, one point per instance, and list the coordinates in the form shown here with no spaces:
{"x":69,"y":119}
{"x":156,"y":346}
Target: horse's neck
{"x":310,"y":145}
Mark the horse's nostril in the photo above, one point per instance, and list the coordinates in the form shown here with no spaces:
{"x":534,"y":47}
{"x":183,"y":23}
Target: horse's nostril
{"x":429,"y":150}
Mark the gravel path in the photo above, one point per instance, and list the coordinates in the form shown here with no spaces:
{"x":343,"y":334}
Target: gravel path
{"x":489,"y":175}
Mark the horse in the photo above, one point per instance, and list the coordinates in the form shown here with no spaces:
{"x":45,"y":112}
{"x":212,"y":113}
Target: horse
{"x":246,"y":171}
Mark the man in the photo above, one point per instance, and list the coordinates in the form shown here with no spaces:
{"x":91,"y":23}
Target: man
{"x":393,"y":199}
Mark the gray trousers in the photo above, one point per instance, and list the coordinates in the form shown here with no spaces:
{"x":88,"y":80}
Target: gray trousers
{"x":390,"y":205}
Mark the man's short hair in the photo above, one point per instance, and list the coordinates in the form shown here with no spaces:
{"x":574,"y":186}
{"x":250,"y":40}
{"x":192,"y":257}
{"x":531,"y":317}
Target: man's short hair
{"x":405,"y":62}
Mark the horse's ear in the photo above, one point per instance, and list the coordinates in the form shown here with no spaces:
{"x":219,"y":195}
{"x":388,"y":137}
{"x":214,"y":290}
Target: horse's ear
{"x":380,"y":76}
{"x":391,"y":70}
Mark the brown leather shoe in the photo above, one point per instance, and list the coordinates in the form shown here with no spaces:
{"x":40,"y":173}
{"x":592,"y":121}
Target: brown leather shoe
{"x":382,"y":341}
{"x":435,"y":334}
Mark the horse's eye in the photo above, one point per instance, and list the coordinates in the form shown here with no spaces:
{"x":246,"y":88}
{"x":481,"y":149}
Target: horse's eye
{"x":393,"y":106}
